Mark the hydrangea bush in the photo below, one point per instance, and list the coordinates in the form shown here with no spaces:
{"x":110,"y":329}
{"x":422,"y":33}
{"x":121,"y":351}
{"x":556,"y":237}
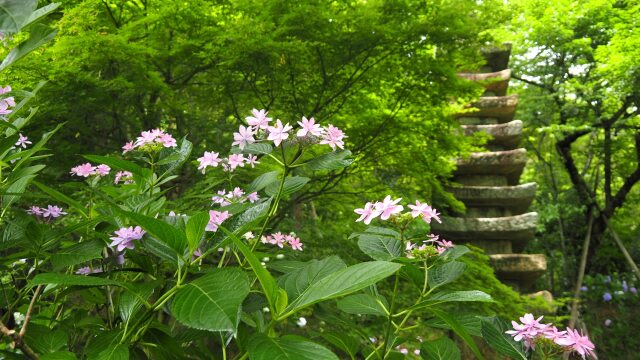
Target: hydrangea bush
{"x":116,"y":273}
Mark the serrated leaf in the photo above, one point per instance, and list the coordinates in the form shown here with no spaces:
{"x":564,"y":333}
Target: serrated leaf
{"x":331,"y":161}
{"x":470,"y":322}
{"x":363,"y":304}
{"x":454,"y":252}
{"x":262,"y":347}
{"x":212,"y":302}
{"x":440,"y":349}
{"x":291,"y":185}
{"x":263,"y":181}
{"x":297,"y":281}
{"x":445,"y":273}
{"x":255,"y":148}
{"x":454,"y":296}
{"x":45,"y":340}
{"x":78,"y":253}
{"x":174,"y":157}
{"x":14,"y":13}
{"x":129,"y":302}
{"x":164,"y":232}
{"x":344,"y":282}
{"x":493,"y":331}
{"x":195,"y":229}
{"x":459,"y":330}
{"x":342,"y":341}
{"x":380,"y":247}
{"x":39,"y":34}
{"x":117,"y":352}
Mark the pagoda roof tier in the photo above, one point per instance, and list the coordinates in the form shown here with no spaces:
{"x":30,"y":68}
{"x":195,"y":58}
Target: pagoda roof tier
{"x":516,"y":198}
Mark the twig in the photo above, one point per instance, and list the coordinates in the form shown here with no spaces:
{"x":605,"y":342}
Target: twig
{"x":583,"y":265}
{"x":623,"y":249}
{"x":27,"y":317}
{"x":17,"y":342}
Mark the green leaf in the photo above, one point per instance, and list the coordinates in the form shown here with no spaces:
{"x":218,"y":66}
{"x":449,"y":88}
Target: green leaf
{"x":14,"y":13}
{"x":267,"y":282}
{"x":445,"y":273}
{"x":262,"y":347}
{"x":380,"y":247}
{"x":470,"y":322}
{"x":332,"y":161}
{"x":195,"y":229}
{"x":263,"y":181}
{"x":454,"y":296}
{"x":59,"y":355}
{"x":38,"y":35}
{"x":174,"y":157}
{"x":493,"y":331}
{"x":459,"y":330}
{"x":164,"y":232}
{"x":255,"y":148}
{"x":131,"y":301}
{"x":45,"y":340}
{"x":297,"y":281}
{"x":454,"y":252}
{"x":363,"y":304}
{"x":291,"y":185}
{"x":440,"y":349}
{"x":343,"y":282}
{"x":72,"y":280}
{"x":60,"y":197}
{"x":40,"y":13}
{"x":77,"y":253}
{"x":342,"y":341}
{"x":117,"y":352}
{"x":212,"y":302}
{"x":120,"y":164}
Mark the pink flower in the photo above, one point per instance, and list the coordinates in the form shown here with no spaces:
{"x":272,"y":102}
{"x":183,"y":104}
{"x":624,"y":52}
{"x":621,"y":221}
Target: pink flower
{"x":236,"y":160}
{"x":368,"y":213}
{"x":278,"y":133}
{"x":84,"y":170}
{"x":253,"y":197}
{"x":237,"y":192}
{"x":166,"y":140}
{"x":215,"y":219}
{"x":209,"y":158}
{"x":243,"y":137}
{"x":295,"y":243}
{"x":52,"y":211}
{"x":87,"y":270}
{"x":146,"y":137}
{"x":551,"y":332}
{"x":23,"y":141}
{"x":103,"y":170}
{"x":577,"y":342}
{"x":34,"y":210}
{"x":309,"y":127}
{"x":252,"y":160}
{"x":259,"y":119}
{"x":125,"y":236}
{"x":4,"y":108}
{"x":424,"y":210}
{"x":278,"y":239}
{"x":128,"y":147}
{"x":445,"y":244}
{"x":126,"y":176}
{"x":388,"y":207}
{"x":4,"y":90}
{"x":333,"y":137}
{"x":528,"y":330}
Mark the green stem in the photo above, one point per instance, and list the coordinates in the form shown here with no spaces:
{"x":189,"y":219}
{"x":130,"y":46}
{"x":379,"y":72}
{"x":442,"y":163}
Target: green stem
{"x":390,"y":322}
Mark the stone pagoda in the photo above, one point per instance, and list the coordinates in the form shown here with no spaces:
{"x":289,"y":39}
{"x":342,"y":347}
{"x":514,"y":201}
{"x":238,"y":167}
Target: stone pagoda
{"x":497,"y":217}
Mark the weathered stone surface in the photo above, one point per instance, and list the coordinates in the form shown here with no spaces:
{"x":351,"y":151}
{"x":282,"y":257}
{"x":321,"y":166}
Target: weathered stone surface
{"x":506,"y":135}
{"x":497,"y":57}
{"x":494,"y":82}
{"x":518,"y":229}
{"x":498,"y":107}
{"x":469,"y":120}
{"x":521,"y":268}
{"x":481,"y":180}
{"x":516,"y":198}
{"x":509,"y":163}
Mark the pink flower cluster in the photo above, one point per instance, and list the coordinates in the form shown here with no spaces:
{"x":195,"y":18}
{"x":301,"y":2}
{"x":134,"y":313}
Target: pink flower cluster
{"x":7,"y":102}
{"x":50,"y":212}
{"x":125,"y":176}
{"x":280,"y":240}
{"x":155,"y":136}
{"x":216,"y":218}
{"x":279,"y":132}
{"x":213,"y":159}
{"x":387,"y":207}
{"x":86,"y":170}
{"x":235,"y":196}
{"x":125,"y":237}
{"x":532,"y":330}
{"x":441,"y":245}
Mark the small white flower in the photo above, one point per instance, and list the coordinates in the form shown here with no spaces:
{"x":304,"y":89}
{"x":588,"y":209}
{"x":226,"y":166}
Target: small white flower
{"x":265,"y":309}
{"x":18,"y":317}
{"x":265,"y":259}
{"x":220,"y":249}
{"x":301,"y":322}
{"x":249,"y":235}
{"x":280,"y":256}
